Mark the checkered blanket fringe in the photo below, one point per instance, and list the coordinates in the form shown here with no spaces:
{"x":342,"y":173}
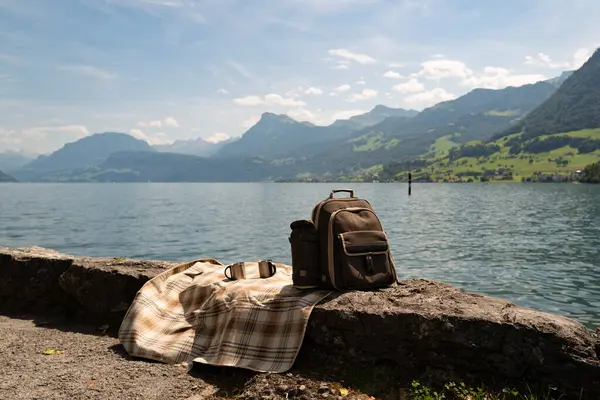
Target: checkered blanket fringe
{"x":192,"y":312}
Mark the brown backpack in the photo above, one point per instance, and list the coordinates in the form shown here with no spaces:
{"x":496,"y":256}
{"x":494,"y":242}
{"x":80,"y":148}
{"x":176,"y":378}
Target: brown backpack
{"x":343,"y":247}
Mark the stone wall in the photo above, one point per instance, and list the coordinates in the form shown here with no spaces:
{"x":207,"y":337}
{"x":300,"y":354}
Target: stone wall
{"x":420,"y":325}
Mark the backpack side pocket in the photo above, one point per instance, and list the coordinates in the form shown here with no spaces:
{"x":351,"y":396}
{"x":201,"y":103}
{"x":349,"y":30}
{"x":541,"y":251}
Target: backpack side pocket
{"x":305,"y":254}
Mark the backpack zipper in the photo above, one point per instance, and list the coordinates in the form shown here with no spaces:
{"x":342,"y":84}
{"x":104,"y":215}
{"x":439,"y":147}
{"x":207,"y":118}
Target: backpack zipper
{"x":323,"y":202}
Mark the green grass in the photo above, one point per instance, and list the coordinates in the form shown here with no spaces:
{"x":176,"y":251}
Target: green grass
{"x":585,"y":133}
{"x":461,"y":391}
{"x":374,"y":169}
{"x":443,"y":145}
{"x":519,"y":165}
{"x":392,"y":143}
{"x":373,"y":142}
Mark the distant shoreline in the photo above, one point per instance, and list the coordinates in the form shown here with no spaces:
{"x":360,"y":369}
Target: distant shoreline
{"x":304,"y":182}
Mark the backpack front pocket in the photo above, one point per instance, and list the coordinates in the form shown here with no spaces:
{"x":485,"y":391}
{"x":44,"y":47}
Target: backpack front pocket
{"x":364,"y":260}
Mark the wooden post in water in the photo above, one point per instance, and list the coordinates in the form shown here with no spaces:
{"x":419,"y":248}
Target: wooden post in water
{"x":409,"y":182}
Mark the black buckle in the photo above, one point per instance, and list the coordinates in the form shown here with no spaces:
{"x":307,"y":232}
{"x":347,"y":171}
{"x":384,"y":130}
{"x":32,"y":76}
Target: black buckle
{"x":369,"y":262}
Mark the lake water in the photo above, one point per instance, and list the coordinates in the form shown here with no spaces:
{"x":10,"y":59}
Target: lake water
{"x":535,"y":244}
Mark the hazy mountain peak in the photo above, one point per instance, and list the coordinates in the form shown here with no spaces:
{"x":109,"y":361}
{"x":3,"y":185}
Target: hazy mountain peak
{"x":197,"y":147}
{"x":384,"y":108}
{"x":373,"y":117}
{"x":272,"y":117}
{"x":559,"y":80}
{"x":87,"y":151}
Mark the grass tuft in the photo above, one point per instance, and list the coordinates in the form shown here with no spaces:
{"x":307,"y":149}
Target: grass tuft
{"x":460,"y":391}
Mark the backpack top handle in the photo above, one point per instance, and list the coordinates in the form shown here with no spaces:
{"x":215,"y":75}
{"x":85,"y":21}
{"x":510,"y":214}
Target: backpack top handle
{"x":341,"y":190}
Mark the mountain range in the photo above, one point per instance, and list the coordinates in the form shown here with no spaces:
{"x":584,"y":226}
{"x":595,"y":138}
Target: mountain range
{"x":194,"y":147}
{"x":6,"y":178}
{"x":85,"y":152}
{"x":12,"y":160}
{"x":557,"y":138}
{"x":279,"y":147}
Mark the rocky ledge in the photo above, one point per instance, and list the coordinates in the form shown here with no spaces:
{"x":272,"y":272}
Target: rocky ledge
{"x":425,"y":328}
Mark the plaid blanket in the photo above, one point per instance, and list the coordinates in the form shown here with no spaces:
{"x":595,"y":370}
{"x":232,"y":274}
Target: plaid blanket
{"x":192,"y":312}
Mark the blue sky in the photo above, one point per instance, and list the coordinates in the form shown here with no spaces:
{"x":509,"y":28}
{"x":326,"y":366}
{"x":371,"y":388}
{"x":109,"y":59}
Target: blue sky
{"x":178,"y":69}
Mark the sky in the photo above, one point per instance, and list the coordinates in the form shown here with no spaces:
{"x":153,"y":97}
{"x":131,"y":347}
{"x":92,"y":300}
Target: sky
{"x":165,"y":70}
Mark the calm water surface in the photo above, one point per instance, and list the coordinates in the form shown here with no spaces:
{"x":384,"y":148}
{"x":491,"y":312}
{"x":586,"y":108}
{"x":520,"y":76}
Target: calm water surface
{"x":537,"y":245}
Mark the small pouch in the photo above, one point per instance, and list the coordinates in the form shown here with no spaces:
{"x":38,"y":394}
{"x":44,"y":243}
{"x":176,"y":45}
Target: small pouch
{"x":305,"y":254}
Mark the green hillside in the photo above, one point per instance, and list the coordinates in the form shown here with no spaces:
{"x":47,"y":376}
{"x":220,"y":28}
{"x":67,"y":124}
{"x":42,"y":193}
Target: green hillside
{"x":574,"y":106}
{"x":500,"y":160}
{"x":556,"y":140}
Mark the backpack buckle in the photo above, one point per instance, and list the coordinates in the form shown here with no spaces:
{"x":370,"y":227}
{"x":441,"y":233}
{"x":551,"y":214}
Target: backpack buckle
{"x":369,"y":262}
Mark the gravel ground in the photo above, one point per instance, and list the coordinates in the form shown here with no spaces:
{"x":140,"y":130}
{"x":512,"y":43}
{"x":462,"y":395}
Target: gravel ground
{"x":91,"y":364}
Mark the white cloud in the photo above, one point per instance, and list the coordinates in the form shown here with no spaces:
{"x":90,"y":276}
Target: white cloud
{"x":138,"y":134}
{"x":444,"y":68}
{"x":490,"y":77}
{"x":395,"y":65}
{"x":302,"y":114}
{"x":498,"y":78}
{"x":361,"y":82}
{"x":160,"y":138}
{"x":341,"y":66}
{"x":357,"y":57}
{"x":364,"y":95}
{"x":153,"y":139}
{"x":271,"y":99}
{"x":217,"y":137}
{"x":248,"y":101}
{"x":412,"y":86}
{"x":153,"y":124}
{"x":170,"y":121}
{"x":89,"y":70}
{"x":545,"y":61}
{"x":293,"y":93}
{"x":342,"y":88}
{"x":222,"y":91}
{"x":429,"y":98}
{"x":276,"y":99}
{"x":392,"y":75}
{"x":314,"y":90}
